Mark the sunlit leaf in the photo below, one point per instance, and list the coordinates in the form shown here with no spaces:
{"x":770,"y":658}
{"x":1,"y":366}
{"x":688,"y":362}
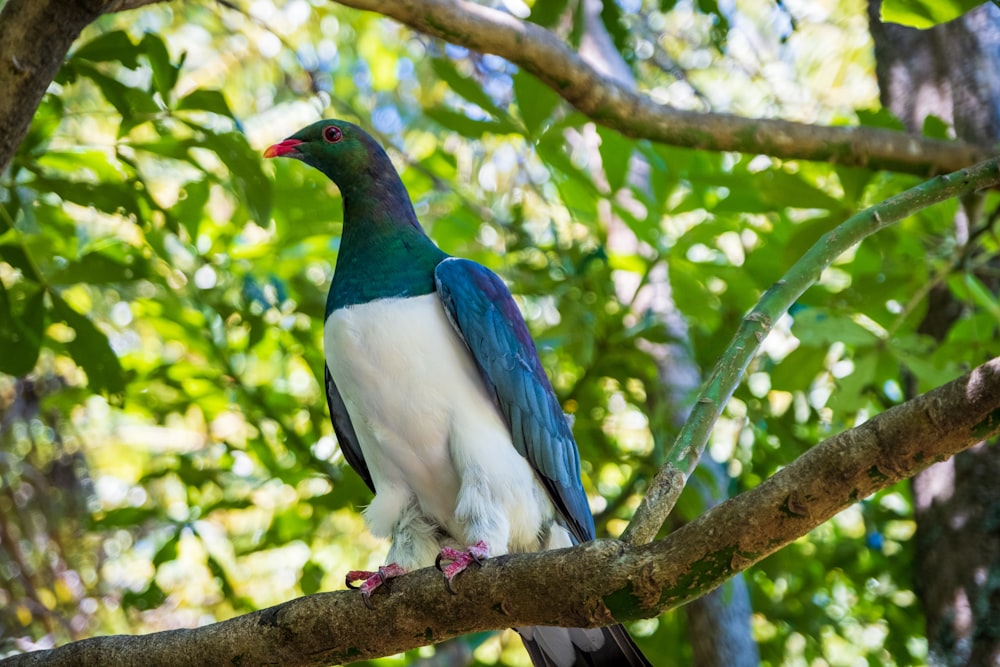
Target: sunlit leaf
{"x":924,"y":13}
{"x":165,"y":73}
{"x":253,"y":187}
{"x":135,"y":105}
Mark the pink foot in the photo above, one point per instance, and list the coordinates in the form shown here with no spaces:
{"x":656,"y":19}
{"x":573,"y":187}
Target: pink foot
{"x":372,"y":580}
{"x":460,"y":560}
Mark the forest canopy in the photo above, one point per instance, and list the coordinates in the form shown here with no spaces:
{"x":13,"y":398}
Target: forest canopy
{"x":166,"y":455}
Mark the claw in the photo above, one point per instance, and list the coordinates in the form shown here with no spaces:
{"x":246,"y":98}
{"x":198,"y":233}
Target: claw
{"x":372,"y":580}
{"x":460,"y":560}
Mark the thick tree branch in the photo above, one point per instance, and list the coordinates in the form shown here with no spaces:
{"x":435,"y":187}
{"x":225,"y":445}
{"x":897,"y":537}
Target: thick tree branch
{"x":609,"y":103}
{"x":560,"y":587}
{"x":35,"y":36}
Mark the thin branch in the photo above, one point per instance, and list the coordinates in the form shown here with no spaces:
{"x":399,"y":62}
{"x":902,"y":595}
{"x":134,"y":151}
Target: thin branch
{"x":558,"y":587}
{"x":545,"y":55}
{"x":683,"y":455}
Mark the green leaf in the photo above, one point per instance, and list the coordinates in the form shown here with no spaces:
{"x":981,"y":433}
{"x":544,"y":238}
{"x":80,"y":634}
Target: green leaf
{"x":851,"y":394}
{"x":616,"y":151}
{"x":111,"y":46}
{"x":21,"y":331}
{"x":535,"y":101}
{"x":100,"y":163}
{"x":206,"y":100}
{"x":90,"y":349}
{"x":253,"y":187}
{"x":983,"y":296}
{"x":219,"y":572}
{"x":190,"y":207}
{"x":798,"y":369}
{"x":815,"y":327}
{"x":720,"y":26}
{"x":311,"y":580}
{"x":546,"y":12}
{"x":136,"y":106}
{"x":914,"y":351}
{"x":16,"y":256}
{"x":465,"y":126}
{"x":611,"y":17}
{"x":124,"y":517}
{"x":924,"y":13}
{"x":168,"y":551}
{"x":935,"y":128}
{"x":787,"y":190}
{"x":150,"y":598}
{"x":853,"y":180}
{"x":467,"y":88}
{"x":96,"y":268}
{"x":115,"y":198}
{"x":165,"y":73}
{"x":805,"y":235}
{"x":43,"y":125}
{"x":880,"y":117}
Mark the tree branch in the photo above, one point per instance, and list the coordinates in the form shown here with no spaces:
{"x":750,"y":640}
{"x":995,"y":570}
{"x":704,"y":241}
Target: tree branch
{"x":559,"y":587}
{"x":636,"y":115}
{"x":35,"y":36}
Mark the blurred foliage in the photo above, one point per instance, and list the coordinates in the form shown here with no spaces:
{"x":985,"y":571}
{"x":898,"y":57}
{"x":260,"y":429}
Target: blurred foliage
{"x":165,"y":454}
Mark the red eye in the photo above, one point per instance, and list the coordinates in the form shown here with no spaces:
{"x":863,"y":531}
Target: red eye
{"x":332,"y":134}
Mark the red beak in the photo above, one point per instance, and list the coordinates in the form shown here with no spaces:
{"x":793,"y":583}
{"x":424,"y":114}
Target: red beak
{"x":284,"y":148}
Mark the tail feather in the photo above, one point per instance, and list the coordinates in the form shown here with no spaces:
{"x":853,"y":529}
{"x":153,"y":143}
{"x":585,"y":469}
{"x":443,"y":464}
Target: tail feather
{"x":577,"y":647}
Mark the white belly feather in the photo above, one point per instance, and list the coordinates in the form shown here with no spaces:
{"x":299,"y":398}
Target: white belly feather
{"x":434,"y":441}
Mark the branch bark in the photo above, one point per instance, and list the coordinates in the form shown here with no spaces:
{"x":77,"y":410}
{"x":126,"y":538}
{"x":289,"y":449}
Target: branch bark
{"x":35,"y":36}
{"x":636,"y":115}
{"x":559,"y":587}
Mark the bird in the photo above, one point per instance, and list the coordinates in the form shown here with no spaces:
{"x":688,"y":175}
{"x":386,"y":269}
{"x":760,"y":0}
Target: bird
{"x":439,"y":400}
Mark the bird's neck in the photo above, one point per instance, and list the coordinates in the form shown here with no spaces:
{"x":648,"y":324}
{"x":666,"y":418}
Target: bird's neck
{"x":384,"y":252}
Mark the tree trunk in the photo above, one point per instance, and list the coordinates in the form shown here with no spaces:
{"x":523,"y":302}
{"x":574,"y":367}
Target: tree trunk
{"x":952,"y":71}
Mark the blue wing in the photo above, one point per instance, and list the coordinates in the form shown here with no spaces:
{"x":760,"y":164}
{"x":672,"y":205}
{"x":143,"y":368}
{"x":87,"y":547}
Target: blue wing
{"x":481,"y":308}
{"x":344,"y":429}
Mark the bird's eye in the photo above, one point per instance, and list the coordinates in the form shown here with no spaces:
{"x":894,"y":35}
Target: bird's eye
{"x":332,"y":134}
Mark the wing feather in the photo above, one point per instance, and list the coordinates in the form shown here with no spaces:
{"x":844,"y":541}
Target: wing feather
{"x":483,"y":312}
{"x":344,"y":429}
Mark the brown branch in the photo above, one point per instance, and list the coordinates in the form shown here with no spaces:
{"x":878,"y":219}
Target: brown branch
{"x":609,"y":103}
{"x":35,"y":36}
{"x":592,"y":584}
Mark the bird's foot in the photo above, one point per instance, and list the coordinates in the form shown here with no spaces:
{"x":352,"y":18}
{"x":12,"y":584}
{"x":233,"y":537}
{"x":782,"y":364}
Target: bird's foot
{"x":460,"y":560}
{"x":372,"y":580}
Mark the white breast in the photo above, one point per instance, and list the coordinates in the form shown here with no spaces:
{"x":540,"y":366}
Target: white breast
{"x":430,"y":433}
